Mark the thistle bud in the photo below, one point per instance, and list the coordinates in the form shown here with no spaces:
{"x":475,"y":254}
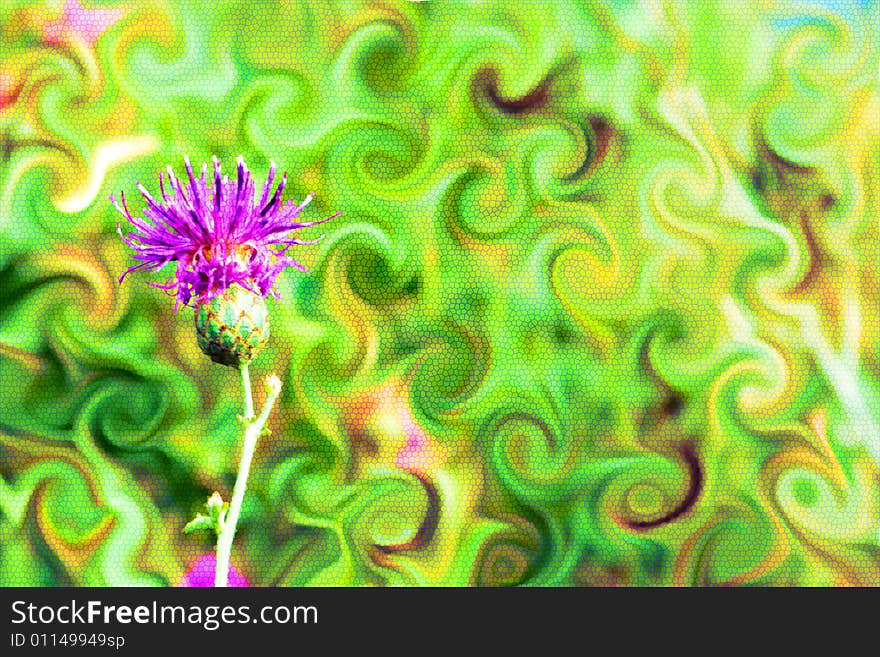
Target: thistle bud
{"x":233,"y":327}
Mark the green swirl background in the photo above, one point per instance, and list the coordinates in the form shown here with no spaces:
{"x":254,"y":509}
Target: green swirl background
{"x":603,"y":306}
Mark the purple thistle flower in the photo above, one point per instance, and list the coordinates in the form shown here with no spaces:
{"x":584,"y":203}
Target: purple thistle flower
{"x":215,"y":233}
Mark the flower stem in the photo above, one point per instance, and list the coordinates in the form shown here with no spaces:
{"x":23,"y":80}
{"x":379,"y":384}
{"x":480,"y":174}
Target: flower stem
{"x":253,"y":428}
{"x":246,"y":389}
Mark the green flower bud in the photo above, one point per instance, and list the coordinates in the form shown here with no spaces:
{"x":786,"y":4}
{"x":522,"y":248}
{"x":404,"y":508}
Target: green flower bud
{"x":233,"y":327}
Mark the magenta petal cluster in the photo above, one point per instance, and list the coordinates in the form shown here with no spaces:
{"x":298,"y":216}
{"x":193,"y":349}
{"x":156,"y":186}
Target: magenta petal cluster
{"x":201,"y":573}
{"x":216,"y":231}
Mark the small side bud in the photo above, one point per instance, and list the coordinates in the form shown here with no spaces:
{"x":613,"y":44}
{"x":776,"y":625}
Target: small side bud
{"x":273,"y":385}
{"x":216,"y":508}
{"x":215,"y":502}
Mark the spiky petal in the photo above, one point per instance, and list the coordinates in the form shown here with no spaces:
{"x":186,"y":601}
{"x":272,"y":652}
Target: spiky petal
{"x":216,"y":232}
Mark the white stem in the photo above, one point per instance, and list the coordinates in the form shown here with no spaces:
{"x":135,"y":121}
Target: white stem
{"x":253,"y":428}
{"x":246,"y":389}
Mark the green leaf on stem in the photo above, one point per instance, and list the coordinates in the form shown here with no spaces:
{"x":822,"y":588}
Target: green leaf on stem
{"x":201,"y":521}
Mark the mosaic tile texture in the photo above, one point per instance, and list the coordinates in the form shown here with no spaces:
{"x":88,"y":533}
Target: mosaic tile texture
{"x":602,"y":306}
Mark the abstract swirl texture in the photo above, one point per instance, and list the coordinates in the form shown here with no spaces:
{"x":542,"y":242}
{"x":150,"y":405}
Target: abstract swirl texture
{"x":602,"y":307}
